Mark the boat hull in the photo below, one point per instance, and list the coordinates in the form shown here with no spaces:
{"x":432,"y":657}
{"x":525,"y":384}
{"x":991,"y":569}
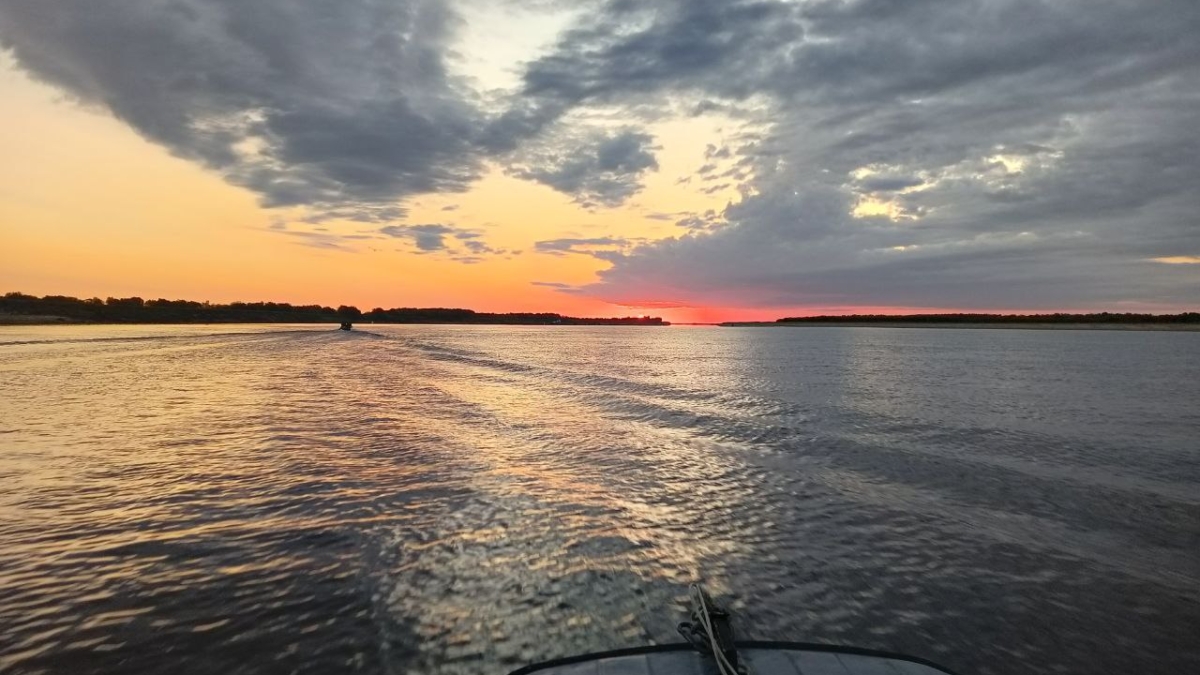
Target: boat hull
{"x":763,"y":658}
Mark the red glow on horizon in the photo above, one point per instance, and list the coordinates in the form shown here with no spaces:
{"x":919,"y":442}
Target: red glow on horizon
{"x":714,"y":315}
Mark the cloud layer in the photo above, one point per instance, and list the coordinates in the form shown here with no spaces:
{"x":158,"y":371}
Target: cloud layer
{"x":1001,"y":153}
{"x":600,"y":169}
{"x":344,"y":106}
{"x":462,"y":245}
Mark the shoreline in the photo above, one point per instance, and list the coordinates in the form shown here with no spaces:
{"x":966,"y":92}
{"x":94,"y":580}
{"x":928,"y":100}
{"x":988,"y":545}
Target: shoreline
{"x":1178,"y":327}
{"x":13,"y":320}
{"x":29,"y":320}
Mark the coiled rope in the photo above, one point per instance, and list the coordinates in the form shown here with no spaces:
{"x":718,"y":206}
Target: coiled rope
{"x":702,"y":635}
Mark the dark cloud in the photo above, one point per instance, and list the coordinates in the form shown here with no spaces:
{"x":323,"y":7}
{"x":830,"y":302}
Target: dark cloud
{"x":477,"y":247}
{"x":996,"y":153}
{"x":601,"y":168}
{"x":889,"y":183}
{"x":714,"y":46}
{"x":560,"y":287}
{"x":335,"y":106}
{"x":345,"y":108}
{"x":425,"y":237}
{"x":460,"y":244}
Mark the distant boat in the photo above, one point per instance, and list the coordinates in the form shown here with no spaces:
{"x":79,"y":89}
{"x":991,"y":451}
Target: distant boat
{"x":711,"y":650}
{"x":345,"y":326}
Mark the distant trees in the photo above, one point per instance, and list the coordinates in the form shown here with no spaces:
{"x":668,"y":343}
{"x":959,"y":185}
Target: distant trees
{"x":1056,"y":317}
{"x":161,"y":310}
{"x":451,"y":315}
{"x":123,"y":302}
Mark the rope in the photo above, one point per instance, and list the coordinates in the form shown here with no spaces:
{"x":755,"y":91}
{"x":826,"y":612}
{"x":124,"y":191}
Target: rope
{"x":702,"y":615}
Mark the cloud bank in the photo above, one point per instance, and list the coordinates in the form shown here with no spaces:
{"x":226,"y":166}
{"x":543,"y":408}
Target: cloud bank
{"x":341,"y":106}
{"x":601,"y":169}
{"x":996,"y":153}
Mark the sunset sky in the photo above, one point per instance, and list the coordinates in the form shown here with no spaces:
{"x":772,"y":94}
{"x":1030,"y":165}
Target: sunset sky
{"x":693,"y":159}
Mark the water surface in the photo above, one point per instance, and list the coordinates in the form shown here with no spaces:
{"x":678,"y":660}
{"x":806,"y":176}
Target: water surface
{"x":434,"y":499}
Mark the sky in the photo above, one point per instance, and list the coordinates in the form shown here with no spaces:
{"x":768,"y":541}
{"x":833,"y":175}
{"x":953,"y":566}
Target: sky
{"x":699,"y":160}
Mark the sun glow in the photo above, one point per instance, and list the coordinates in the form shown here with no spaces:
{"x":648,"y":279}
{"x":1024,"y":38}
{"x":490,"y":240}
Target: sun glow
{"x":120,"y":216}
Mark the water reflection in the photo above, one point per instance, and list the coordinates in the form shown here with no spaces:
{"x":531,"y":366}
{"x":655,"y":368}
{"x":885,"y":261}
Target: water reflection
{"x":467,"y":499}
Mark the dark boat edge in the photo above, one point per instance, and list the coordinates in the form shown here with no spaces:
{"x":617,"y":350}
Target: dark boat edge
{"x":751,"y":644}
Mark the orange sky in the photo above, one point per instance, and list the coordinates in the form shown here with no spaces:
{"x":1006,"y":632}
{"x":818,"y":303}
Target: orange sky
{"x":89,"y":208}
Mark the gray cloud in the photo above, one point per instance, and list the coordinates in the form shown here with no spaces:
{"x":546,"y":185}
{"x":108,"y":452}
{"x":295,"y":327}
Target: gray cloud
{"x":321,"y":237}
{"x":320,"y":240}
{"x":713,"y":152}
{"x":890,"y":183}
{"x":346,"y":109}
{"x":426,"y":238}
{"x":709,"y":220}
{"x":560,"y":287}
{"x":702,"y":45}
{"x":460,"y":244}
{"x":601,"y":168}
{"x":1018,"y":153}
{"x":591,"y":246}
{"x":345,"y":106}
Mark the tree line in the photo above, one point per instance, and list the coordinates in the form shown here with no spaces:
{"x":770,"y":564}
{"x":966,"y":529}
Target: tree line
{"x":66,"y":309}
{"x":1057,"y":317}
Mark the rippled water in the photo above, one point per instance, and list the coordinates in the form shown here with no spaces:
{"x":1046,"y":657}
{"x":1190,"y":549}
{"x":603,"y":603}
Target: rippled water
{"x":468,"y":499}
